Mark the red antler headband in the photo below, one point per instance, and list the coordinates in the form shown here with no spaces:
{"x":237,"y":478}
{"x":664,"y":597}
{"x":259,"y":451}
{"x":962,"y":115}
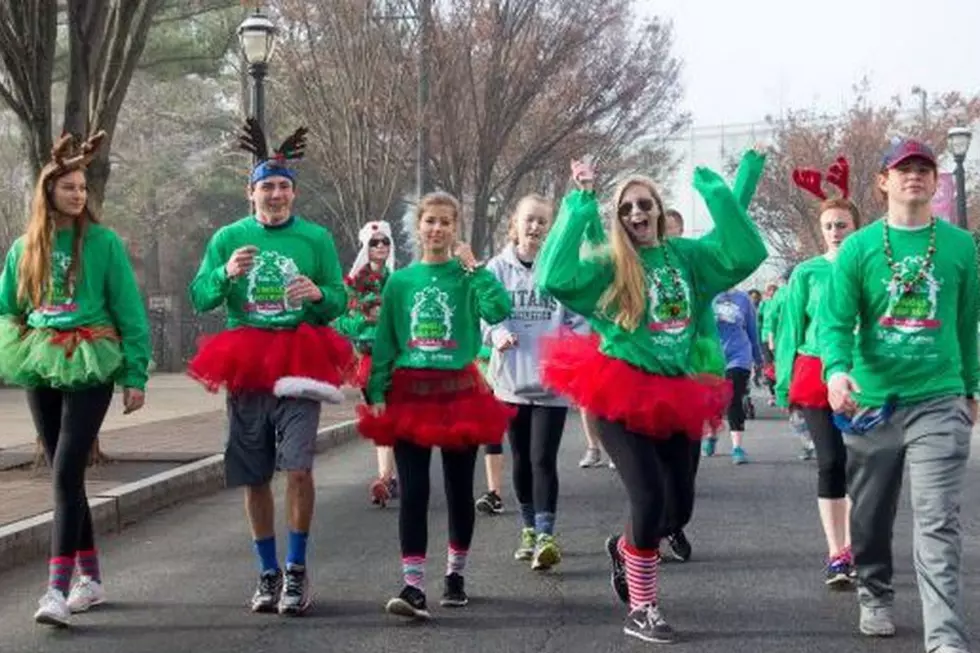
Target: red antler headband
{"x":837,"y":175}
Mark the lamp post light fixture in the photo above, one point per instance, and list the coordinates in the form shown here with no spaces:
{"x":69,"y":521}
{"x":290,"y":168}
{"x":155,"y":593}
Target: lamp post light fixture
{"x":257,"y":37}
{"x":958,"y":141}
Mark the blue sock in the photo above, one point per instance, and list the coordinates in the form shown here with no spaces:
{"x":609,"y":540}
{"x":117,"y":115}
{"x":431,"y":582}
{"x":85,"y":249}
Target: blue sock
{"x":527,"y":514}
{"x":296,"y":549}
{"x":544,"y":522}
{"x":265,"y":549}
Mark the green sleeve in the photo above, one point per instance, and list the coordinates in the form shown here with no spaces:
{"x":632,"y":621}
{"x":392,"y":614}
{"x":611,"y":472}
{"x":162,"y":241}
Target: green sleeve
{"x":839,"y":312}
{"x":734,"y":249}
{"x":967,"y":327}
{"x":761,"y":317}
{"x":790,"y":333}
{"x":211,"y":283}
{"x":330,"y":281}
{"x":485,"y":353}
{"x":492,"y":299}
{"x":576,"y":283}
{"x":747,"y":178}
{"x":385,"y":348}
{"x":351,"y":324}
{"x":129,"y":315}
{"x":8,"y":284}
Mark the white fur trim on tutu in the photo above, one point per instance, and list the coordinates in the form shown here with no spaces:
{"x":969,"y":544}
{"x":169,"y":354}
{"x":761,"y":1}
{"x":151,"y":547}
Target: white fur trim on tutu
{"x":306,"y":388}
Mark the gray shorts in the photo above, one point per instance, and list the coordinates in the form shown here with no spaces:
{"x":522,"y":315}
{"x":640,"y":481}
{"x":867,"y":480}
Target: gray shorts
{"x":266,"y":433}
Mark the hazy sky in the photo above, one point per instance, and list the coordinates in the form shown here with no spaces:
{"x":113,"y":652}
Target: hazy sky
{"x":746,"y":58}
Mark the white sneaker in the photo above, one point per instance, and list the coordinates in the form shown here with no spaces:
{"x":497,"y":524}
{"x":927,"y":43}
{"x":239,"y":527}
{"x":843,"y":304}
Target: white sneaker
{"x":87,"y":593}
{"x":53,"y":609}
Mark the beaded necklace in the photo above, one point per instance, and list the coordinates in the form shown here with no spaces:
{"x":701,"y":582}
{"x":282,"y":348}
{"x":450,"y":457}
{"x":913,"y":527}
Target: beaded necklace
{"x":907,"y":285}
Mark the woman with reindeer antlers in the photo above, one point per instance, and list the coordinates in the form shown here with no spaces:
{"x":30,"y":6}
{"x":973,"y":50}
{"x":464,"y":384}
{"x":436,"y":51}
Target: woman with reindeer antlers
{"x":799,"y":372}
{"x":72,"y":325}
{"x":644,"y":297}
{"x":279,"y":278}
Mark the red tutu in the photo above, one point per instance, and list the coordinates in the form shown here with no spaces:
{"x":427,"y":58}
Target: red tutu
{"x":248,"y":359}
{"x":653,"y":405}
{"x":437,"y":408}
{"x":807,"y":389}
{"x":363,"y":371}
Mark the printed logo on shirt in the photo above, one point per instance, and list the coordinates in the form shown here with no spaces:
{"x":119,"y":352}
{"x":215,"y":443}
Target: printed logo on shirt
{"x":670,"y":302}
{"x":431,"y":327}
{"x":532,"y":306}
{"x":59,"y":300}
{"x":912,"y":305}
{"x":727,"y":311}
{"x":268,"y":279}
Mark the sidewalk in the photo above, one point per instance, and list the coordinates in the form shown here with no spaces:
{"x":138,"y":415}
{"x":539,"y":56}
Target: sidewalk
{"x":180,"y":423}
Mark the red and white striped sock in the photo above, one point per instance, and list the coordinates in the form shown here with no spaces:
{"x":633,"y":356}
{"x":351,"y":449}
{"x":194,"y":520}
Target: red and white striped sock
{"x":641,"y":574}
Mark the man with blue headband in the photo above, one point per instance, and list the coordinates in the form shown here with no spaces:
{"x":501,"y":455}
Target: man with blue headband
{"x":279,"y":279}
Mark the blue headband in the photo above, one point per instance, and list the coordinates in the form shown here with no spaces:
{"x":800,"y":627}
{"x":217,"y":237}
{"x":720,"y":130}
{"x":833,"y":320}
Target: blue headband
{"x":272,"y":168}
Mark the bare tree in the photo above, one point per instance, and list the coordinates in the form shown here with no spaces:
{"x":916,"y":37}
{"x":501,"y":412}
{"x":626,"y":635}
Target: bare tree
{"x":804,"y":139}
{"x":343,"y":78}
{"x":523,"y":83}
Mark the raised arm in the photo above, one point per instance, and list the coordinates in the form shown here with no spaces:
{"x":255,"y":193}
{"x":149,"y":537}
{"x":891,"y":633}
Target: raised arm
{"x":562,"y":272}
{"x":734,"y":249}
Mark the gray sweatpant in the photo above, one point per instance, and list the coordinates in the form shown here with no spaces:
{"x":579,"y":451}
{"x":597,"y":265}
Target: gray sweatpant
{"x":934,"y":436}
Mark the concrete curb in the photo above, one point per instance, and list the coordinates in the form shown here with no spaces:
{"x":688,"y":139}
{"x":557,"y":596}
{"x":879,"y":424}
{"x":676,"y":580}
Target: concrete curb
{"x":124,"y":505}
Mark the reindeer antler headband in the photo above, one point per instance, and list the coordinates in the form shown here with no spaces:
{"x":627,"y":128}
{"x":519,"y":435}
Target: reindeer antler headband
{"x":70,"y":152}
{"x":252,"y":139}
{"x":838,"y":174}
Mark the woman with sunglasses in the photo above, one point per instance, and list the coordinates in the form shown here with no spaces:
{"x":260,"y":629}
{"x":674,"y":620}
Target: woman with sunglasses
{"x":374,"y":264}
{"x":799,"y":372}
{"x":643,"y":296}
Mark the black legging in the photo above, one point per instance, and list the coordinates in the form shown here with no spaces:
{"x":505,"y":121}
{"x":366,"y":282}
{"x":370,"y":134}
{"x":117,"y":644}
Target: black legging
{"x":68,"y":423}
{"x":831,"y":453}
{"x":643,"y":465}
{"x":413,"y":511}
{"x":535,"y":435}
{"x":681,"y":484}
{"x":740,"y":387}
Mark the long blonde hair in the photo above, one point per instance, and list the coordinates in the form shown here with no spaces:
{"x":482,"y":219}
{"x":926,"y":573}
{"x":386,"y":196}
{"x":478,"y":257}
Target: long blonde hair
{"x":530,"y":198}
{"x":626,"y":298}
{"x":34,"y":269}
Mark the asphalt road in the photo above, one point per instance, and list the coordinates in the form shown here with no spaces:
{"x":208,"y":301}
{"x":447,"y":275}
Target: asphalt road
{"x":179,"y":580}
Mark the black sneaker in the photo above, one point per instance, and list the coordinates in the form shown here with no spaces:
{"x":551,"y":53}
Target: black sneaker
{"x":267,"y":590}
{"x":678,"y":546}
{"x":490,"y":504}
{"x":646,"y":623}
{"x":296,"y":598}
{"x":618,"y":575}
{"x":410,"y":603}
{"x":454,"y":595}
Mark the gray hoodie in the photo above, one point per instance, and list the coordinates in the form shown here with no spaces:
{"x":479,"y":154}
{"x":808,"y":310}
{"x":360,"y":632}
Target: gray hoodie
{"x":516,"y":373}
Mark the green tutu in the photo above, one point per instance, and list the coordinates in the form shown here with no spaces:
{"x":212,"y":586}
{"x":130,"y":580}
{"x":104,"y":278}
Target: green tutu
{"x":58,"y":359}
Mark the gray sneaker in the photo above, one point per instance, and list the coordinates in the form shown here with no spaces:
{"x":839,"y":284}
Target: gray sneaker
{"x":592,"y":458}
{"x":648,"y":624}
{"x":296,"y":597}
{"x":877,"y":621}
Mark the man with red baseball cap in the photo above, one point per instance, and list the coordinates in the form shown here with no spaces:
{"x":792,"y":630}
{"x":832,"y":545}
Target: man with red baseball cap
{"x":902,"y":386}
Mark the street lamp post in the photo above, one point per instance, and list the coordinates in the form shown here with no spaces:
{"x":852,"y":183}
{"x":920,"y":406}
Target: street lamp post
{"x":924,"y":95}
{"x":958,"y":141}
{"x":257,"y":36}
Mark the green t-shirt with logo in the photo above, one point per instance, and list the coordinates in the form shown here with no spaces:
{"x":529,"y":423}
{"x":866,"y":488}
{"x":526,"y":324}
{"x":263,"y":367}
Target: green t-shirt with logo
{"x":916,"y":337}
{"x":774,"y":311}
{"x":677,"y":294}
{"x":258,"y":299}
{"x":106,"y":294}
{"x":798,"y":320}
{"x":430,"y":319}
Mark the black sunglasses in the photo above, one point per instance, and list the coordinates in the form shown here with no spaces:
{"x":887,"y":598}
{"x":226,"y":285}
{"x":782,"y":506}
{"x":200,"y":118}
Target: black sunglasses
{"x":377,"y":242}
{"x":626,"y":208}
